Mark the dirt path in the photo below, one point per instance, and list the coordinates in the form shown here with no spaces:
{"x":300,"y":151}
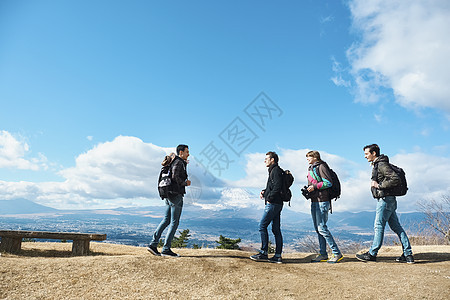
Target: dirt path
{"x":46,"y":271}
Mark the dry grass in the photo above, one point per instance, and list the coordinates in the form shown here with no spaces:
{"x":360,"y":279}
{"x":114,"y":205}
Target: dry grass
{"x":47,"y":271}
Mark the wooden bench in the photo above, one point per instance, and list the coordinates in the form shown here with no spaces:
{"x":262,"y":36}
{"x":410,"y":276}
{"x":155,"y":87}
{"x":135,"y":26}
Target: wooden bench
{"x":12,"y":239}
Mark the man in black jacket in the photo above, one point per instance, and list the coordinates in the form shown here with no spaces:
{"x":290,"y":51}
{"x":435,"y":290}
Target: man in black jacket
{"x":384,"y":179}
{"x":174,"y":203}
{"x":272,"y":211}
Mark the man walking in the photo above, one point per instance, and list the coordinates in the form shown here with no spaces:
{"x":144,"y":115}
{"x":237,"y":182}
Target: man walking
{"x":384,"y":178}
{"x":174,"y":203}
{"x":272,"y":211}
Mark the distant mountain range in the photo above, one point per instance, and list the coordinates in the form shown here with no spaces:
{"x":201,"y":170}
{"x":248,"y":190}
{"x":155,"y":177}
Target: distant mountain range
{"x":22,"y":206}
{"x":135,"y":225}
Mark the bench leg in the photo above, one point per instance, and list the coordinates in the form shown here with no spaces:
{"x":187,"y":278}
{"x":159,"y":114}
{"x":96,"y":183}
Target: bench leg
{"x":11,"y":244}
{"x":80,"y":247}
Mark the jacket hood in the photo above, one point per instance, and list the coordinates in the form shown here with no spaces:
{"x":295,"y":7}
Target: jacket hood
{"x":381,"y":158}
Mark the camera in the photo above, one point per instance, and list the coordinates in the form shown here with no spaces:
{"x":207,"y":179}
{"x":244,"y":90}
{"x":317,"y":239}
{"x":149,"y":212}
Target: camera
{"x":305,"y":192}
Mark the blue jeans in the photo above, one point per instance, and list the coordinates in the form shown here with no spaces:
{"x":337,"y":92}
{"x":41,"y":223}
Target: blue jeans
{"x":174,"y":206}
{"x":272,"y":214}
{"x":386,"y":208}
{"x":319,"y":213}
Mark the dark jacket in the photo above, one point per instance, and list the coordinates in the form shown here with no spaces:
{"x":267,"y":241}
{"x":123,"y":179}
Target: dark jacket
{"x":179,"y":176}
{"x":385,"y":176}
{"x":319,"y":176}
{"x":272,"y":193}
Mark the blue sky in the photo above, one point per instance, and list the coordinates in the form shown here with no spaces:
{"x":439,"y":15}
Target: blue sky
{"x":93,"y":93}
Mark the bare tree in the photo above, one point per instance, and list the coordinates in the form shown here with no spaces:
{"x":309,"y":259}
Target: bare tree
{"x":437,"y":214}
{"x":307,"y":243}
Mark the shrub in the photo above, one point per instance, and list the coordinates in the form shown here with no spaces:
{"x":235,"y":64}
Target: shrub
{"x":227,"y":243}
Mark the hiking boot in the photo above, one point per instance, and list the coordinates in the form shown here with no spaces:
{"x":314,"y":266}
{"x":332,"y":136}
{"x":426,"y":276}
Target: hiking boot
{"x":405,"y":259}
{"x":153,"y":250}
{"x":169,"y":253}
{"x":276,"y":260}
{"x":320,"y":258}
{"x":259,"y":257}
{"x":335,"y":258}
{"x":366,"y":257}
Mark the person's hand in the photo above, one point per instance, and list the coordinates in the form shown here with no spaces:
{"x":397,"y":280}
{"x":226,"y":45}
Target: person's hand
{"x":261,"y":195}
{"x":310,"y":188}
{"x":188,"y":182}
{"x":374,"y":184}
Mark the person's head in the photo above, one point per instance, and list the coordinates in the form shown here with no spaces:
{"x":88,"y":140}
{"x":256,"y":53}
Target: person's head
{"x":371,"y":152}
{"x":183,"y":151}
{"x":271,"y":158}
{"x":313,"y":156}
{"x":168,"y":159}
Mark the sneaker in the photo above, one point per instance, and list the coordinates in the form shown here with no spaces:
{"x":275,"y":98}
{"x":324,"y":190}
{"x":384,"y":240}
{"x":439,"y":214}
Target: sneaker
{"x":336,"y":258}
{"x":366,"y":257}
{"x":401,"y":259}
{"x":169,"y":253}
{"x":153,"y":250}
{"x":409,"y":259}
{"x":320,"y":258}
{"x":276,"y":260}
{"x":405,"y":259}
{"x":259,"y":257}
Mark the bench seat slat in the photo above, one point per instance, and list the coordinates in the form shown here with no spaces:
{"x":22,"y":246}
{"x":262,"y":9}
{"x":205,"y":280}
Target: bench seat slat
{"x":52,"y":235}
{"x":11,"y":240}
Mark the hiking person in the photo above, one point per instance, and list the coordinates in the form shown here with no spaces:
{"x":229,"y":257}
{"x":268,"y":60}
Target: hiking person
{"x":272,"y":211}
{"x":174,"y":202}
{"x":319,"y":183}
{"x":383,"y":179}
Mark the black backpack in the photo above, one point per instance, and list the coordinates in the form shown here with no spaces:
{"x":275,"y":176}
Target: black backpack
{"x":165,"y":187}
{"x":288,"y":179}
{"x":335,"y":189}
{"x":399,"y":190}
{"x":402,"y":188}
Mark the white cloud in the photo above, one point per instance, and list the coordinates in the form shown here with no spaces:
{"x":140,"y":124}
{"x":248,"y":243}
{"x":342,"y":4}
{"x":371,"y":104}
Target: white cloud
{"x":427,"y":175}
{"x":232,"y":198}
{"x":256,"y":172}
{"x":13,"y":154}
{"x":339,"y":71}
{"x":326,"y":19}
{"x":378,"y":118}
{"x":122,"y":168}
{"x":123,"y":172}
{"x":404,"y":46}
{"x":295,"y":161}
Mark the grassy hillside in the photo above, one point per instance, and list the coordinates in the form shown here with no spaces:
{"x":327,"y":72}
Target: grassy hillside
{"x":47,"y":271}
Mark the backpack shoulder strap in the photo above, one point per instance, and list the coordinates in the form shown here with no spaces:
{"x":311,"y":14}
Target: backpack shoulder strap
{"x":318,"y":169}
